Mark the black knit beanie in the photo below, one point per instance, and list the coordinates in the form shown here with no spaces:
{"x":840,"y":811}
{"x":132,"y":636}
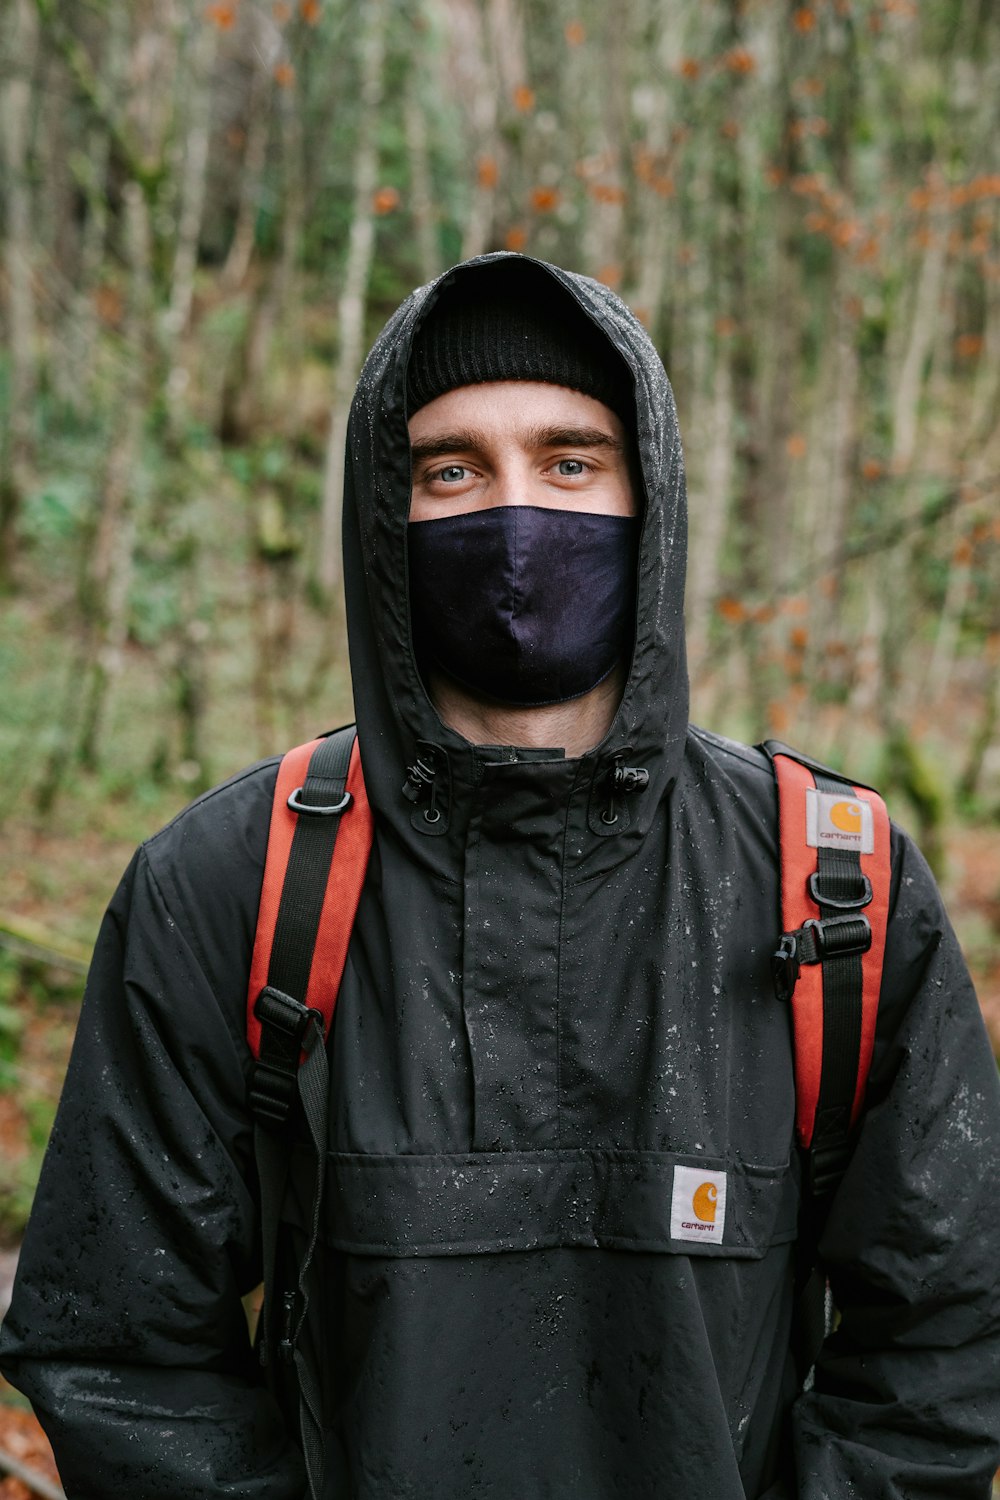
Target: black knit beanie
{"x":509,"y":325}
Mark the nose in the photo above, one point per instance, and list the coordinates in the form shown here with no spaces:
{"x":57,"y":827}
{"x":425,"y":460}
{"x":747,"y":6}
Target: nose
{"x":511,"y":481}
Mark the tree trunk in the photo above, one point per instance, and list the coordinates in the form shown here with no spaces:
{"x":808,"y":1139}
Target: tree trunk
{"x":110,"y":569}
{"x":351,"y":306}
{"x":421,"y":193}
{"x":923,"y":324}
{"x":17,"y":455}
{"x":985,"y":731}
{"x":258,"y":131}
{"x":198,"y":65}
{"x":464,"y":69}
{"x":710,"y":511}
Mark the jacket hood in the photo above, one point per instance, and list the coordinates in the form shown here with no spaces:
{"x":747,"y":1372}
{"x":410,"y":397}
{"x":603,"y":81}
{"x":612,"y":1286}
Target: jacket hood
{"x":397,"y":723}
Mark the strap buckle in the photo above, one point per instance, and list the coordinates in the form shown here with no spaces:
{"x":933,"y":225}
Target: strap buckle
{"x":825,"y":1167}
{"x":287,"y":1029}
{"x":856,"y":903}
{"x":298,"y":806}
{"x":814,"y":941}
{"x":785,"y":965}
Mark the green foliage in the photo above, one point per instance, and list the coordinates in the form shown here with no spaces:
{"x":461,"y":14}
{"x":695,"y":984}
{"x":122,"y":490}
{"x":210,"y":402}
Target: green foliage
{"x":28,"y":987}
{"x":56,"y":512}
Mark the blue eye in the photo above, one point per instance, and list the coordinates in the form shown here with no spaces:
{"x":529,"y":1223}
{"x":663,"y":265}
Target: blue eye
{"x":570,"y":467}
{"x":453,"y":474}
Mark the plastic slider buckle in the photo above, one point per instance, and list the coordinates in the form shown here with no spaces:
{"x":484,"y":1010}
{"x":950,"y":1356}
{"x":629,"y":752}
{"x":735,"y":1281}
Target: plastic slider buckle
{"x":271,"y":1093}
{"x":814,"y":941}
{"x":286,"y":1014}
{"x":785,"y":965}
{"x":287,"y":1029}
{"x":833,"y":937}
{"x":826,"y":1167}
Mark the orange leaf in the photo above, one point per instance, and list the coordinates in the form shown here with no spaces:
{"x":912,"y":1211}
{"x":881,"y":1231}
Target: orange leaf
{"x":610,"y":274}
{"x":871,"y":469}
{"x":846,"y":232}
{"x":284,"y":75}
{"x":690,"y":68}
{"x":309,"y":11}
{"x":731,"y":610}
{"x":385,"y":200}
{"x":799,"y":638}
{"x":796,"y":445}
{"x":804,"y":19}
{"x":516,"y":238}
{"x":730,"y":129}
{"x":222,"y":15}
{"x":725,"y":327}
{"x":739,"y":60}
{"x":575,"y":33}
{"x":807,"y":185}
{"x":544,"y":199}
{"x":808,"y":88}
{"x":779,"y":718}
{"x":109,"y":305}
{"x":644,"y":164}
{"x":524,"y":99}
{"x":281,"y":11}
{"x":968,"y":345}
{"x":606,"y":192}
{"x":487,"y":172}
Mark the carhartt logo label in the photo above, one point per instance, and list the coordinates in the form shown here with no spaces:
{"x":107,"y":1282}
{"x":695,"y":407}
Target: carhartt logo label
{"x":834,"y":821}
{"x":704,"y":1201}
{"x":698,"y":1205}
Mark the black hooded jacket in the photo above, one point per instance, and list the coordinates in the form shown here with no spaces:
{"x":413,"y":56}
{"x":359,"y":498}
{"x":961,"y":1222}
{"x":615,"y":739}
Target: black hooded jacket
{"x":543,"y":1014}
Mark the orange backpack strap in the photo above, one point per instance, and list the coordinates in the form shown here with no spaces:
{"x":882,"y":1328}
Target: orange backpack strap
{"x":318,"y":845}
{"x":834,"y":839}
{"x":317,"y":854}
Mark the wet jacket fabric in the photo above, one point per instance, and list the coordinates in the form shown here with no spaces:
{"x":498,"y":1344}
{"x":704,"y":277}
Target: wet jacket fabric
{"x":555,"y":998}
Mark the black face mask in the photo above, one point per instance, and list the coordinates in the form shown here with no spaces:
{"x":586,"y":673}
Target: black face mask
{"x":523,"y":603}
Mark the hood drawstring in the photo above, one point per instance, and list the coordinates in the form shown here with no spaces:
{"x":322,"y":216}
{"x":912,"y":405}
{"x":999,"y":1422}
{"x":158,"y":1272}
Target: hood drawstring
{"x":621,"y":782}
{"x":422,"y":781}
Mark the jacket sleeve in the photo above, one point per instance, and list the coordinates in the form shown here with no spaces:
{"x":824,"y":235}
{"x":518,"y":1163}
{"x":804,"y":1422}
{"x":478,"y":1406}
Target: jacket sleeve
{"x":906,"y":1399}
{"x":126,"y":1329}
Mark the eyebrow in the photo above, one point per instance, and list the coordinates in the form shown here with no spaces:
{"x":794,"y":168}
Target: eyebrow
{"x":473,"y":440}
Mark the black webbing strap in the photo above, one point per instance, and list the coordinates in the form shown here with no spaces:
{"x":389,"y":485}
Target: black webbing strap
{"x":289,"y":1029}
{"x":319,"y":802}
{"x":841,"y":891}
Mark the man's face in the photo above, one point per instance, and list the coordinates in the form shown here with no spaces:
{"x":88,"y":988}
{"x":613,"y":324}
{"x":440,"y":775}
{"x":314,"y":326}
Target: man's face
{"x":518,"y":442}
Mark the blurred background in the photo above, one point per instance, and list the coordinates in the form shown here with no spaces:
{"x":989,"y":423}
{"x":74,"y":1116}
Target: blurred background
{"x":208,"y":210}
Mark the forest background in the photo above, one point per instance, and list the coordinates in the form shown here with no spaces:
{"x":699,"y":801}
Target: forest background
{"x":209,"y":209}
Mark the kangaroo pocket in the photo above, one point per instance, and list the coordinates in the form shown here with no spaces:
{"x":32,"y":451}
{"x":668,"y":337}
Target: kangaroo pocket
{"x":486,"y":1202}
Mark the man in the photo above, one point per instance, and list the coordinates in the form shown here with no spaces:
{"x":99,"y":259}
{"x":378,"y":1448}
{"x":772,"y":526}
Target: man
{"x":557,"y":1003}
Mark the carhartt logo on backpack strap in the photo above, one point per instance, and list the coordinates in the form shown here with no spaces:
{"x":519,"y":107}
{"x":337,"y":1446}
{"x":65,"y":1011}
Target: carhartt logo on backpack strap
{"x":698,"y":1205}
{"x":834,"y":821}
